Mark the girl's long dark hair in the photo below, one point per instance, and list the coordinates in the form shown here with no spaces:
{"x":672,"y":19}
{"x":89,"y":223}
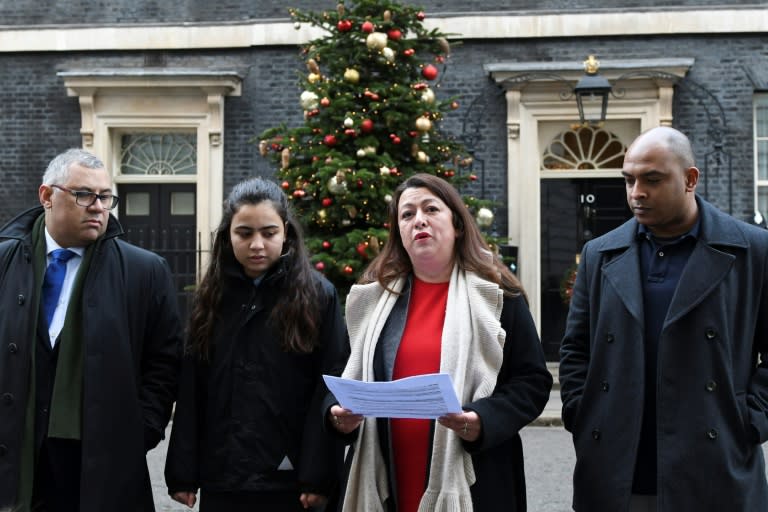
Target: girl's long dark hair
{"x":296,"y":314}
{"x":471,"y":251}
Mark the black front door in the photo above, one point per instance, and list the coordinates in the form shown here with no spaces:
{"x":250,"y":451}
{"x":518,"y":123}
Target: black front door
{"x":161,"y":218}
{"x":573,"y":211}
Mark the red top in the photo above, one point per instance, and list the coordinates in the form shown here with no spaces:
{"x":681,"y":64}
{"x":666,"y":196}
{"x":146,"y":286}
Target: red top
{"x":419,"y":353}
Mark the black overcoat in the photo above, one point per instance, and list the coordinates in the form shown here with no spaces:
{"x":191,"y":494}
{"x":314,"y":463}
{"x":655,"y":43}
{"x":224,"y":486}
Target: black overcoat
{"x":131,"y":342}
{"x":248,"y":418}
{"x":712,"y":390}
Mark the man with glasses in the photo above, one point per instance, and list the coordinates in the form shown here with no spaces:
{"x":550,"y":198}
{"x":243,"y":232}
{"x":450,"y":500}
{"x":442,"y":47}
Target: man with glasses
{"x":90,"y":338}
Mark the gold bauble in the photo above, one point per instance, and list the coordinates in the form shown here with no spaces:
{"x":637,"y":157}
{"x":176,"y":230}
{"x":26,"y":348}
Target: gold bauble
{"x":351,"y":75}
{"x":428,"y":96}
{"x":423,"y":124}
{"x":313,"y":77}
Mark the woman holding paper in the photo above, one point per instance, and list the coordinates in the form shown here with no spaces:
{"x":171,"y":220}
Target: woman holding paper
{"x":437,"y":300}
{"x":264,"y":329}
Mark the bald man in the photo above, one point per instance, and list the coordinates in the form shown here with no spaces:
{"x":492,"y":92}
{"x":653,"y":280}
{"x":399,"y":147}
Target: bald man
{"x":664,"y":362}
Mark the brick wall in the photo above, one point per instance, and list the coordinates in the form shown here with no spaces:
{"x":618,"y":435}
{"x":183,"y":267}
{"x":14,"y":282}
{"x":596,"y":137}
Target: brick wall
{"x":158,"y":11}
{"x":37,"y":119}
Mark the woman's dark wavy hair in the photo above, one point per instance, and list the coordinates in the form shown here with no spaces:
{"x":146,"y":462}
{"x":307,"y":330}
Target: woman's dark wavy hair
{"x":296,"y":314}
{"x":471,"y":251}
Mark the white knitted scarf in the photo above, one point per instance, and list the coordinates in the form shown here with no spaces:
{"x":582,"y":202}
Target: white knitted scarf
{"x":471,"y":352}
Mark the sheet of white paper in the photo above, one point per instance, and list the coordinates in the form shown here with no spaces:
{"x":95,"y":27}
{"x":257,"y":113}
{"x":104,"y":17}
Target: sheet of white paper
{"x":422,"y":396}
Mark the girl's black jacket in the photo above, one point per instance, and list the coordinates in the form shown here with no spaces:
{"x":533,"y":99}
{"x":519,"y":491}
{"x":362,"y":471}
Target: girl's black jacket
{"x":250,"y":419}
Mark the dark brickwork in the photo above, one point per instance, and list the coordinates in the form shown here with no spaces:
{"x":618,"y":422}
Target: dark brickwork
{"x":37,"y":119}
{"x":31,"y":12}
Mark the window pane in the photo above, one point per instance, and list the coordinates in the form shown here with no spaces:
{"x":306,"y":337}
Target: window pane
{"x":182,"y":203}
{"x":158,"y":154}
{"x":762,"y":201}
{"x":761,"y":117}
{"x":762,"y":160}
{"x":137,"y":203}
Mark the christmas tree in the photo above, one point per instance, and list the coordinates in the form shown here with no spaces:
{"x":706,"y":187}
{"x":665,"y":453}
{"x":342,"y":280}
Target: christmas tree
{"x":372,"y":118}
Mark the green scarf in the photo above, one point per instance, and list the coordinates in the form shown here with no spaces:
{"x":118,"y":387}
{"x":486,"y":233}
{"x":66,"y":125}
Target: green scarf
{"x":65,"y":420}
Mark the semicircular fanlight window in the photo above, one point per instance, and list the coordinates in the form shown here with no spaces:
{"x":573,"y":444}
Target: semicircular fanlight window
{"x":158,"y":154}
{"x":585,"y":148}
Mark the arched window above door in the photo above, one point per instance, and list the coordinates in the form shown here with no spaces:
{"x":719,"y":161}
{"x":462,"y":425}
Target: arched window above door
{"x":158,"y":154}
{"x":585,"y":148}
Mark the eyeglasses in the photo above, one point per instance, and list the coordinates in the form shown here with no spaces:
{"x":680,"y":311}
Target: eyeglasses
{"x":87,"y":199}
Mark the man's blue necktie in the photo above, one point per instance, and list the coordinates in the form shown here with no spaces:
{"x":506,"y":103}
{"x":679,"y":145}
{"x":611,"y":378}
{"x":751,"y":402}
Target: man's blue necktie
{"x":53,"y":280}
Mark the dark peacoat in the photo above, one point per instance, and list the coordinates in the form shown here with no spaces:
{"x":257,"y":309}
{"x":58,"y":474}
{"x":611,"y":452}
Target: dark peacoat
{"x":131,"y":341}
{"x":712,"y":390}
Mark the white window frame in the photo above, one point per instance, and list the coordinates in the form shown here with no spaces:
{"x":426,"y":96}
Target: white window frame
{"x":761,"y":100}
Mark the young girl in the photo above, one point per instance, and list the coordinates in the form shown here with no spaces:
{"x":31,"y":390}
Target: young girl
{"x":264,"y":329}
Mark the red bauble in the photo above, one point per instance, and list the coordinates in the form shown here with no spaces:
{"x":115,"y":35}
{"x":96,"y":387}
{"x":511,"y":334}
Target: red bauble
{"x":449,"y":173}
{"x":329,"y":140}
{"x":409,"y":52}
{"x":299,"y":193}
{"x":361,"y":249}
{"x":366,"y":126}
{"x":350,"y":131}
{"x":413,"y":133}
{"x":429,"y":72}
{"x":473,"y":177}
{"x":326,"y":244}
{"x":320,"y":266}
{"x":348,"y":269}
{"x":327,"y":201}
{"x":394,"y":34}
{"x":325,"y":102}
{"x":419,"y":86}
{"x":344,"y":25}
{"x":285,"y":185}
{"x":394,"y":171}
{"x":396,"y":140}
{"x":440,"y":59}
{"x":359,"y":183}
{"x":367,"y":27}
{"x":454,"y":105}
{"x":420,"y":15}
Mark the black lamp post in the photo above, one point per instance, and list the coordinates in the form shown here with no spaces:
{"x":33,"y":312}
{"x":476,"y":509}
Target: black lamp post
{"x":591,"y":93}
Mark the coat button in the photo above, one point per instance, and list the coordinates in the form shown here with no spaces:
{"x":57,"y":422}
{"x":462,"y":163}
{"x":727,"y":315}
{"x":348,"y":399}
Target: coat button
{"x":3,"y":450}
{"x":596,"y":434}
{"x":609,"y":338}
{"x":604,"y":385}
{"x":710,"y":333}
{"x":712,"y":434}
{"x":711,"y":386}
{"x":21,"y":300}
{"x":13,"y":348}
{"x":7,"y":398}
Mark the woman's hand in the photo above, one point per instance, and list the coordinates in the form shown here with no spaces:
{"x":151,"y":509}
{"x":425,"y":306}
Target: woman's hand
{"x":343,"y":419}
{"x":309,"y":499}
{"x":467,"y":424}
{"x":185,"y":498}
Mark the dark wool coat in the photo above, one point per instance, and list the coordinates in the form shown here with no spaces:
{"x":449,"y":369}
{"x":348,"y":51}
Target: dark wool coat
{"x":712,"y":390}
{"x":253,"y":404}
{"x":131,"y":341}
